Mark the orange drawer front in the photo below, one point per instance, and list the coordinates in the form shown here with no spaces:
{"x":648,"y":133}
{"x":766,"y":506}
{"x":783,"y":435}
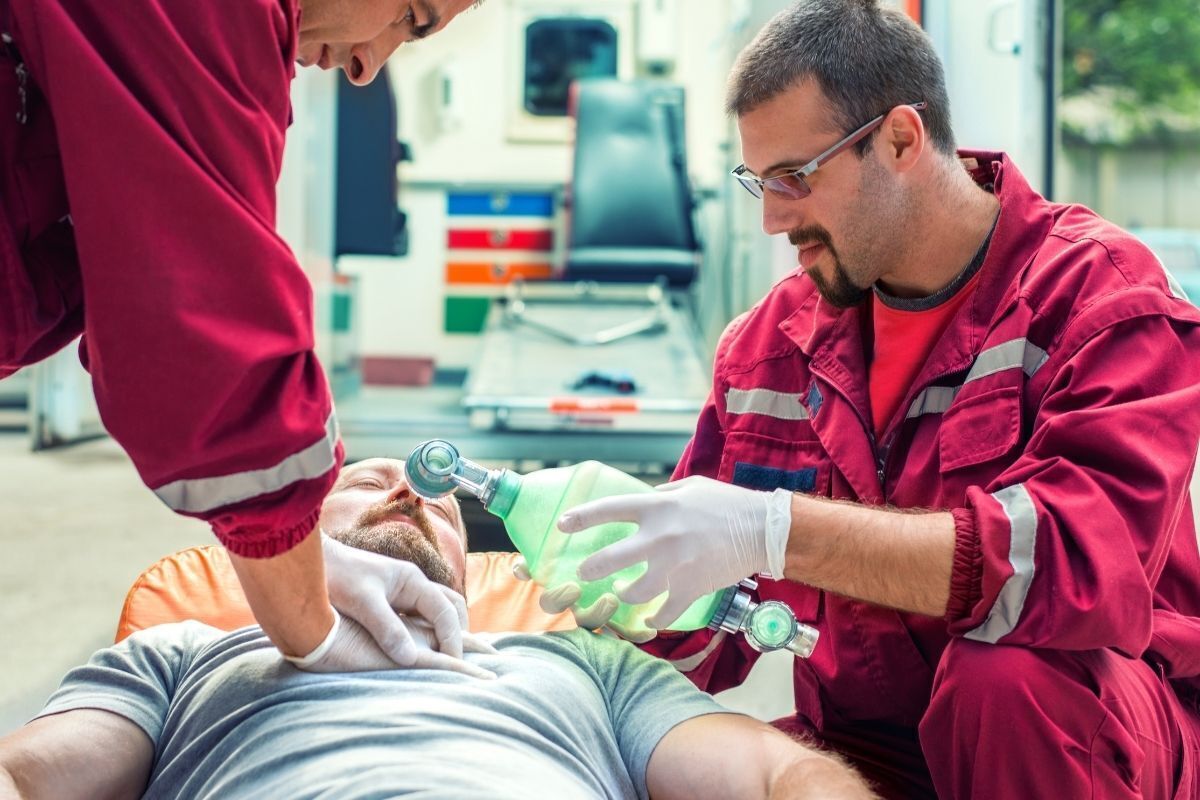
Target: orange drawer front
{"x":461,"y":272}
{"x":500,"y":239}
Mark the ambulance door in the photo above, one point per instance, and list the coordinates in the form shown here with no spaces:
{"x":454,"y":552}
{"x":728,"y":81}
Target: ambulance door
{"x":1000,"y":64}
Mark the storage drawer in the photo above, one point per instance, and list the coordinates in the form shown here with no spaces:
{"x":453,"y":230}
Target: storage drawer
{"x":466,"y":314}
{"x":515,"y":204}
{"x":482,"y":273}
{"x":500,"y":239}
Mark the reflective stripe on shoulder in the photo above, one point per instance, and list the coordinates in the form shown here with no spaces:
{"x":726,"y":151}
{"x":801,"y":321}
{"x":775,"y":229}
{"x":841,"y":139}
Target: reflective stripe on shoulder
{"x":1009,"y":355}
{"x":767,"y":402}
{"x":206,"y":494}
{"x":1173,"y":286}
{"x":1022,"y":522}
{"x":691,"y":662}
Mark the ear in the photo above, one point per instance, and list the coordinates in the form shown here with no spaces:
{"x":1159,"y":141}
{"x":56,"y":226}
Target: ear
{"x":902,"y":138}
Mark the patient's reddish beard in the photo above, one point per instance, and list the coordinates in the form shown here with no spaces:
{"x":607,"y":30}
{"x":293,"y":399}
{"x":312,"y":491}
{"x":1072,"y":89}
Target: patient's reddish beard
{"x":377,"y":531}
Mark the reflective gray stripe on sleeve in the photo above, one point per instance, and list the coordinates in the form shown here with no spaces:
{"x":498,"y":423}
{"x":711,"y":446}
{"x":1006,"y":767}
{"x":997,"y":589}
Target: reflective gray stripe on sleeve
{"x":691,"y":662}
{"x":1009,"y":355}
{"x":766,"y":402}
{"x":206,"y":494}
{"x":1022,"y":523}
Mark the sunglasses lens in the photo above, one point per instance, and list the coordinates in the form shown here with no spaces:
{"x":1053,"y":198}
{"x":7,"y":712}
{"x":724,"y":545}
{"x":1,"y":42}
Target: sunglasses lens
{"x":791,"y":186}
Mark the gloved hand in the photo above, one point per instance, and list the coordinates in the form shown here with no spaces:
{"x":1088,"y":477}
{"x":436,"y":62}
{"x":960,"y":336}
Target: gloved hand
{"x":348,"y":647}
{"x":696,"y":536}
{"x":374,"y":590}
{"x":558,"y":599}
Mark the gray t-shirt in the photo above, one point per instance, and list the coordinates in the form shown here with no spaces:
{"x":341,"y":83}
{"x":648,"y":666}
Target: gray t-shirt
{"x":571,"y":715}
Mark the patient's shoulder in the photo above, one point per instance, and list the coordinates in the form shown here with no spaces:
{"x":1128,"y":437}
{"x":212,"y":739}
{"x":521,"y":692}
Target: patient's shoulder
{"x":190,"y":637}
{"x":600,"y":652}
{"x":576,"y":645}
{"x":189,"y":630}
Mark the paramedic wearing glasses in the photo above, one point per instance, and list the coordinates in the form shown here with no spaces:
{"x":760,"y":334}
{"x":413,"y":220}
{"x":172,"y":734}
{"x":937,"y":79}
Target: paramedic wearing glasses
{"x":139,"y":151}
{"x":959,"y":436}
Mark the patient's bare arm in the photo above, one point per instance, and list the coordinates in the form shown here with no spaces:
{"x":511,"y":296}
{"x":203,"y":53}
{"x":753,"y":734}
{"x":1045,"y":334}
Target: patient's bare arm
{"x":85,"y":754}
{"x":729,"y":755}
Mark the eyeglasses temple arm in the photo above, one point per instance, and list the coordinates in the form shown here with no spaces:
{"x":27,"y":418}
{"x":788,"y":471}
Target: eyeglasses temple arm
{"x":851,"y":140}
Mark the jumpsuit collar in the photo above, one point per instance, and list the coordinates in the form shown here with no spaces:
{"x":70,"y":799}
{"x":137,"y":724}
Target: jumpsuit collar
{"x":832,"y":337}
{"x":1020,"y":229}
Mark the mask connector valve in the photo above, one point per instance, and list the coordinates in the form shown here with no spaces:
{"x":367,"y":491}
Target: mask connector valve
{"x":767,"y":626}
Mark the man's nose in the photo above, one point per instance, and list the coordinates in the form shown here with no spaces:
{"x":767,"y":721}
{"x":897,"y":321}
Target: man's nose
{"x":779,"y":214}
{"x":402,"y":493}
{"x":361,"y":66}
{"x":367,"y":58}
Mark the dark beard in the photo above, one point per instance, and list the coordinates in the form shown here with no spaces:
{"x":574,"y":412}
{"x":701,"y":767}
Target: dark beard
{"x":841,"y":292}
{"x":375,"y":532}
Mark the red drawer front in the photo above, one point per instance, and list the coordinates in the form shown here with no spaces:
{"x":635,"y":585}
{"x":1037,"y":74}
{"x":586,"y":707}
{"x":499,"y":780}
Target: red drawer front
{"x":500,"y":239}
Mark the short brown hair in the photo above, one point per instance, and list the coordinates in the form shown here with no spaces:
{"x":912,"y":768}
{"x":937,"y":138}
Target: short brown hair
{"x":866,"y":60}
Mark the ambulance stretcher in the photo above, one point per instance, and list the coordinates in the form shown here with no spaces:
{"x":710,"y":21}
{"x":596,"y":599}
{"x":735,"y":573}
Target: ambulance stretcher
{"x":616,"y":361}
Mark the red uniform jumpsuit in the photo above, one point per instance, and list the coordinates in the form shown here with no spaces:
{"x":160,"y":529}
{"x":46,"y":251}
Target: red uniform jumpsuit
{"x":1057,"y":419}
{"x":139,"y":150}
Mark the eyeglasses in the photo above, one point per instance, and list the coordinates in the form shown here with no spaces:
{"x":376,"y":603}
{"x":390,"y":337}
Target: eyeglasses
{"x":793,"y":185}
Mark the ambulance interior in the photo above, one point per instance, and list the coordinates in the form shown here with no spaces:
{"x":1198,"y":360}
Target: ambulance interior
{"x":523,"y":239}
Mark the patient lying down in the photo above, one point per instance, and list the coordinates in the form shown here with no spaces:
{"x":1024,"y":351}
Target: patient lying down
{"x":186,"y":710}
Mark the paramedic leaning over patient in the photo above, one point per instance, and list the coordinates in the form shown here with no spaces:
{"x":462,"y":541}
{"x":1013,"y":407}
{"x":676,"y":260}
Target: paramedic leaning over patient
{"x":140,"y":144}
{"x":982,"y":409}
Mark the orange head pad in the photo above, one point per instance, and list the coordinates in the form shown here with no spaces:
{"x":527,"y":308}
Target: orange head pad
{"x":199,"y":583}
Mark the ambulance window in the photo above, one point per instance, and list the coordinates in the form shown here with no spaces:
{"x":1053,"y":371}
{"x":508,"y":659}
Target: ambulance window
{"x":558,"y":51}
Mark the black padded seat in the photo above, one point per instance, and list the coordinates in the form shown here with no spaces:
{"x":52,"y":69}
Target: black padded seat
{"x":631,"y":202}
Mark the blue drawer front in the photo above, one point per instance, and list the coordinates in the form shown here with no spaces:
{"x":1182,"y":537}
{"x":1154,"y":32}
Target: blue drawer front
{"x":500,"y":204}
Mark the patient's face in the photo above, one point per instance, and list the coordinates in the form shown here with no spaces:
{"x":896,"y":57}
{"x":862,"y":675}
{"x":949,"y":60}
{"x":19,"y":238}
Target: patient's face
{"x":372,"y":508}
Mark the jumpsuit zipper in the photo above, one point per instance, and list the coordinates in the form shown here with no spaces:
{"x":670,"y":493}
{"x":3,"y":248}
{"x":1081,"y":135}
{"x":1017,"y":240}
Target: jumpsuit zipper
{"x":880,"y":458}
{"x":22,"y":76}
{"x":881,"y":455}
{"x":882,"y":452}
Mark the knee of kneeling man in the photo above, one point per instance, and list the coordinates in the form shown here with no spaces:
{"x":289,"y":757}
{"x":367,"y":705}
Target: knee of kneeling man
{"x":992,"y":673}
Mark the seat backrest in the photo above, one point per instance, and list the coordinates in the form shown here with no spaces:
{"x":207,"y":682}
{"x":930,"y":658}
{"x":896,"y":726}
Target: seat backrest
{"x":631,"y":203}
{"x":199,"y":583}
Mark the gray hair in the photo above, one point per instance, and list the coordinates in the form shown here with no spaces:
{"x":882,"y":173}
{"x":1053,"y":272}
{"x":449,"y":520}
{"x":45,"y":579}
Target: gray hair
{"x":866,"y":61}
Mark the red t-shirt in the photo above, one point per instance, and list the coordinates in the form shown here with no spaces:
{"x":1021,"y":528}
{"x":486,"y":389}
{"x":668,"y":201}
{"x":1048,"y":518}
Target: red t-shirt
{"x":902,"y":341}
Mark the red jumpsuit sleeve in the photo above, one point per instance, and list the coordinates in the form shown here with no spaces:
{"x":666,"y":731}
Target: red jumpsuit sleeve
{"x":198,"y":319}
{"x":1063,"y":550}
{"x":712,"y":661}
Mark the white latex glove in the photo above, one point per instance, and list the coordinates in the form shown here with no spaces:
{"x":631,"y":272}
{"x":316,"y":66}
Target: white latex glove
{"x":349,"y":648}
{"x":374,"y":590}
{"x":565,"y":597}
{"x":696,"y":536}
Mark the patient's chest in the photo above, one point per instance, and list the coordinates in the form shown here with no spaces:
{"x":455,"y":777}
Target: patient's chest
{"x":246,"y":718}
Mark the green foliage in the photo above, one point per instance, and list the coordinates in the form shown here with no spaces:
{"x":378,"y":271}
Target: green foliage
{"x":1146,"y":50}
